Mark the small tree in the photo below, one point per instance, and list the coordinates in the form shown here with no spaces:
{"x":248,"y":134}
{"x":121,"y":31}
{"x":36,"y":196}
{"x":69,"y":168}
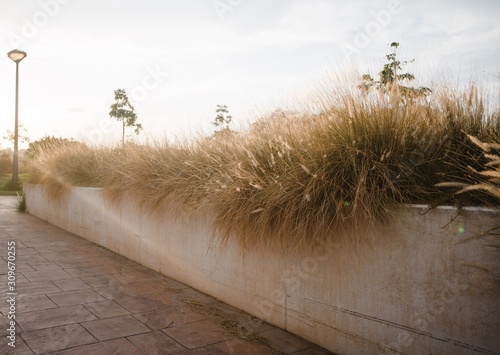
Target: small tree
{"x":122,"y":110}
{"x":223,"y":119}
{"x":391,"y":75}
{"x":22,"y":134}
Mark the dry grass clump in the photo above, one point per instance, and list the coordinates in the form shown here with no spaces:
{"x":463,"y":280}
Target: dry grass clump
{"x":487,"y":181}
{"x":346,"y":168}
{"x":297,"y":179}
{"x":162,"y":175}
{"x":63,"y":164}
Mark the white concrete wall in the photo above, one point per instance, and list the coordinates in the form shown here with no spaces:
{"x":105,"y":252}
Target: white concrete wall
{"x":414,"y":290}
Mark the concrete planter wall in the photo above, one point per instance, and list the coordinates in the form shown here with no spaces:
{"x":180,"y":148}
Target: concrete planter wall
{"x":419,"y":288}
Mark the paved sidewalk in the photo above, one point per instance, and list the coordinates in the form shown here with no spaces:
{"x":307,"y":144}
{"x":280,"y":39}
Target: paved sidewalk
{"x":74,"y":297}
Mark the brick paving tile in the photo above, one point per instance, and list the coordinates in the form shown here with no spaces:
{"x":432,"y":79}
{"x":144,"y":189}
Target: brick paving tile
{"x":116,"y":266}
{"x":54,"y":317}
{"x":44,"y":265}
{"x":40,"y":241}
{"x":169,"y":317}
{"x":85,"y":271}
{"x":71,"y":298}
{"x":128,"y":276}
{"x":33,"y":241}
{"x":165,"y":297}
{"x":24,"y":267}
{"x":113,"y":291}
{"x":223,"y":308}
{"x":285,"y":342}
{"x":74,"y":263}
{"x":117,"y":327}
{"x":198,"y":334}
{"x":134,"y":289}
{"x":33,"y":303}
{"x":191,"y":293}
{"x":101,"y":280}
{"x":117,"y":258}
{"x":30,"y":258}
{"x":67,"y":257}
{"x":20,"y":349}
{"x":241,"y":347}
{"x":47,"y":249}
{"x":106,"y":309}
{"x":144,"y":303}
{"x":250,"y":323}
{"x":151,"y":281}
{"x":59,"y":253}
{"x":206,"y":350}
{"x":173,"y":285}
{"x":57,"y":338}
{"x":46,"y":242}
{"x":141,"y":288}
{"x":20,"y":279}
{"x":26,"y":251}
{"x":37,"y":288}
{"x":71,"y":284}
{"x":315,"y":350}
{"x":156,"y":343}
{"x":117,"y":346}
{"x":47,"y":275}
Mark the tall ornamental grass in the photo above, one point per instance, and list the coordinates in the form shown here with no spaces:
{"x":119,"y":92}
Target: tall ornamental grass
{"x":297,"y":179}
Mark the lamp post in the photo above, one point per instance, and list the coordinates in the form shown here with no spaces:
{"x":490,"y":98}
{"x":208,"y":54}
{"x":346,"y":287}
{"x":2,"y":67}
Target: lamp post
{"x":16,"y":55}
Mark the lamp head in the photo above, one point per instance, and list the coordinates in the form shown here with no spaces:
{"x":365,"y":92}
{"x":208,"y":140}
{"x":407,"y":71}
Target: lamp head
{"x":17,"y":55}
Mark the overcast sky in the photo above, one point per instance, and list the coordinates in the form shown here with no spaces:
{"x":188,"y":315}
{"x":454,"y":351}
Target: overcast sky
{"x":179,"y":59}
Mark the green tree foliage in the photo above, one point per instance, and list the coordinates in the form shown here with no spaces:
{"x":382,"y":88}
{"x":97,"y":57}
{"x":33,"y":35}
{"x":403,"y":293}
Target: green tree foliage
{"x":122,"y":110}
{"x":5,"y":163}
{"x":223,"y":119}
{"x":391,"y":77}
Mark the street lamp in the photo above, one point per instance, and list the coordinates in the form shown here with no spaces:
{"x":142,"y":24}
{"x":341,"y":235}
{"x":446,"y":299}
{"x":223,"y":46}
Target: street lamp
{"x":16,"y":55}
